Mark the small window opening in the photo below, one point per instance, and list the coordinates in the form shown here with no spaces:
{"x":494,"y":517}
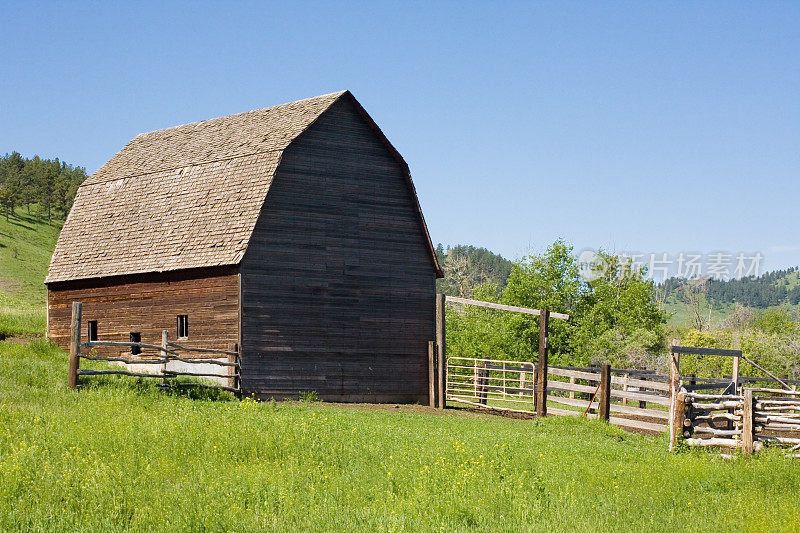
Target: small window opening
{"x":183,"y":326}
{"x":136,"y":337}
{"x":92,"y":330}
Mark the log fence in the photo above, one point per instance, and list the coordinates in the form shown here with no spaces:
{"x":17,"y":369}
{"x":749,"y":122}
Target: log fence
{"x":151,"y":354}
{"x":737,"y":417}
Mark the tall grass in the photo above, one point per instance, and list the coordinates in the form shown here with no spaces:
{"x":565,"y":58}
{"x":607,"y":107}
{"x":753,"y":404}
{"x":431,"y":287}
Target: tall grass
{"x":19,"y":318}
{"x":120,"y":455}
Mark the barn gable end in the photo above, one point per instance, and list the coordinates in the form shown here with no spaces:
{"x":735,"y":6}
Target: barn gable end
{"x":337,"y":282}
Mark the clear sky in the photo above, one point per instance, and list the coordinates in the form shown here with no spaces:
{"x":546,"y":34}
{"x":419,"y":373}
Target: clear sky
{"x":652,"y":127}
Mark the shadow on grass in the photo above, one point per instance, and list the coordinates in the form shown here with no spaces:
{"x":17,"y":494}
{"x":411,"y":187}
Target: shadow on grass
{"x":20,"y":224}
{"x":153,"y":386}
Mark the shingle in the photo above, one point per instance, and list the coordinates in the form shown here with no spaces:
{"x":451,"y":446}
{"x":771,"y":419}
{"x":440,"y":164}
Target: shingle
{"x":182,"y":197}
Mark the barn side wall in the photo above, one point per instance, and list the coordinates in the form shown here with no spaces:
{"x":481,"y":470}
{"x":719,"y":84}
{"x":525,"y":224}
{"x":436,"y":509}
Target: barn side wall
{"x":338,"y":286}
{"x":148,"y":304}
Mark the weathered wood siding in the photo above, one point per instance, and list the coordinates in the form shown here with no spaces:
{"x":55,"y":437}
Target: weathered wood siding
{"x":150,"y":303}
{"x":338,"y":285}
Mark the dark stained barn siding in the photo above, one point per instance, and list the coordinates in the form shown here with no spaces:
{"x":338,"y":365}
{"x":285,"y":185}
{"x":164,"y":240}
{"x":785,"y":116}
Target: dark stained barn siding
{"x":338,"y":282}
{"x":148,"y":304}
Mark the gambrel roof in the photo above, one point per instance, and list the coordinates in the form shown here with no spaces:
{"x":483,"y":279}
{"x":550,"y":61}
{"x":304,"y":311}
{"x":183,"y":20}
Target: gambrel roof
{"x":187,"y":196}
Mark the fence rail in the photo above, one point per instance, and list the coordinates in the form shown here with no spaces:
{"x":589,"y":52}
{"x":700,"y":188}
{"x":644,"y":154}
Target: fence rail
{"x":511,"y":386}
{"x":747,"y":421}
{"x":167,"y":352}
{"x":739,"y":418}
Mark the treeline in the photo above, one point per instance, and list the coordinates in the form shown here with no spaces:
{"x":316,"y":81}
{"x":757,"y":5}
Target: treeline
{"x":770,"y":289}
{"x":49,"y":185}
{"x":466,"y":267}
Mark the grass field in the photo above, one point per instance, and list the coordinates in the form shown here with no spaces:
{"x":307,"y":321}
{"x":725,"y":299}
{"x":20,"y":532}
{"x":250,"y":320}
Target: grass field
{"x":120,"y":455}
{"x":26,"y":244}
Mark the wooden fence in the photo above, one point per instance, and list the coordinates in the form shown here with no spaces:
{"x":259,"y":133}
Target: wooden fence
{"x":744,"y":421}
{"x":734,"y":417}
{"x":627,"y":398}
{"x":151,"y":354}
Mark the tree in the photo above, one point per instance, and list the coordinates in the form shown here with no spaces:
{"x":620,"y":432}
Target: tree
{"x":695,"y":291}
{"x":49,"y":183}
{"x":615,"y":317}
{"x":550,"y":281}
{"x":466,"y":267}
{"x":620,"y":322}
{"x":9,"y":188}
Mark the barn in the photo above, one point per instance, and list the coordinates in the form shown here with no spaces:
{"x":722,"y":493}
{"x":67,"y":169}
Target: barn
{"x":292,"y":231}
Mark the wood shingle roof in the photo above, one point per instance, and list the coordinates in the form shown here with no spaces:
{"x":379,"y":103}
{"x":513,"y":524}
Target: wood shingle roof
{"x":182,"y":197}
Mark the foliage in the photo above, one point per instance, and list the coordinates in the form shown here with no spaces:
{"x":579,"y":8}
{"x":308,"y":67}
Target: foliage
{"x":620,"y":322}
{"x":48,"y":184}
{"x":309,"y":396}
{"x":466,"y":267}
{"x":119,"y":455}
{"x":615,"y":317}
{"x":770,"y":338}
{"x":547,"y":281}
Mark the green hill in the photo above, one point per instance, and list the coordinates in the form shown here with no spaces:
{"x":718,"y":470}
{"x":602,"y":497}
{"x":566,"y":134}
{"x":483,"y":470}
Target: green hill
{"x":715,"y":300}
{"x":26,"y":244}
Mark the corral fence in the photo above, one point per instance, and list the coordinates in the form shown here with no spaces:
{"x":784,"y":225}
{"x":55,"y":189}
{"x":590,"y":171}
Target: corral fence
{"x":638,"y":399}
{"x":172,"y":360}
{"x":624,"y":397}
{"x":728,"y":414}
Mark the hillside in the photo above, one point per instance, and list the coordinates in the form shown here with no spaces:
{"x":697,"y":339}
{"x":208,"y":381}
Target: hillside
{"x":717,"y":299}
{"x":26,"y":243}
{"x":779,"y":287}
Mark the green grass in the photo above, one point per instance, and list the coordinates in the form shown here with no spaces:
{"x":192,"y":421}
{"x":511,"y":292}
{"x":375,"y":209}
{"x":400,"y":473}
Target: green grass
{"x":682,"y":316}
{"x":20,"y":318}
{"x":120,"y":455}
{"x":26,"y":244}
{"x":792,"y":280}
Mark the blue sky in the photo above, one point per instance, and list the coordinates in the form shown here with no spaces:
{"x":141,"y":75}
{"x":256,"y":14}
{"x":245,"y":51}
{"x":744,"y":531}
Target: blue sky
{"x":647,"y":127}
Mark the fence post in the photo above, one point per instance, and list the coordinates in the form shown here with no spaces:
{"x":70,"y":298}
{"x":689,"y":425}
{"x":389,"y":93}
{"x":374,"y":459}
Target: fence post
{"x":692,"y":382}
{"x":642,"y":404}
{"x":74,"y":344}
{"x":236,"y":380}
{"x":541,"y":365}
{"x":679,"y":415}
{"x":747,"y":422}
{"x":484,"y":384}
{"x":605,"y":392}
{"x":674,"y":383}
{"x":440,"y":348}
{"x":164,"y":341}
{"x":431,"y":374}
{"x":625,"y":388}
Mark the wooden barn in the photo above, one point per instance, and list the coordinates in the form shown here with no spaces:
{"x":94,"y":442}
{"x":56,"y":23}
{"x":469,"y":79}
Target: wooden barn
{"x":293,"y":231}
